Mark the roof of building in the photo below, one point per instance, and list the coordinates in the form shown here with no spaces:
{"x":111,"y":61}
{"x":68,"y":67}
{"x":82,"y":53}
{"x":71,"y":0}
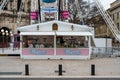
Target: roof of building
{"x":114,"y":5}
{"x":64,"y":27}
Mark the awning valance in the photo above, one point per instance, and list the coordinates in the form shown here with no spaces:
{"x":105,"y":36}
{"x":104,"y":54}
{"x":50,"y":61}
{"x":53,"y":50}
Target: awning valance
{"x":37,"y":33}
{"x":74,"y":33}
{"x":58,"y":33}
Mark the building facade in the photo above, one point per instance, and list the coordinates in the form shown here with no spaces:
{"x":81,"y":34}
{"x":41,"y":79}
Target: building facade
{"x":101,"y":28}
{"x":14,"y":15}
{"x":115,"y":15}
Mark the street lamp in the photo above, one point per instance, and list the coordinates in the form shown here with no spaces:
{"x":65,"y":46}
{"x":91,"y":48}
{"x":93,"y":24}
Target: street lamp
{"x":6,"y":32}
{"x":11,"y":40}
{"x":3,"y":33}
{"x":10,"y":33}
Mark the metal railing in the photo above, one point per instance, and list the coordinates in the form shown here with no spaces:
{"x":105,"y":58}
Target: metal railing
{"x":105,"y":51}
{"x":10,"y":48}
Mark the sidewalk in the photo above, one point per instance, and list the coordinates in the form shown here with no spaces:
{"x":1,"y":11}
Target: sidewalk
{"x":104,"y":66}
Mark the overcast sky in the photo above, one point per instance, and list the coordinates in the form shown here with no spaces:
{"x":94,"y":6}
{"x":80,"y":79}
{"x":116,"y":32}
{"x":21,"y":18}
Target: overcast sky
{"x":106,"y":3}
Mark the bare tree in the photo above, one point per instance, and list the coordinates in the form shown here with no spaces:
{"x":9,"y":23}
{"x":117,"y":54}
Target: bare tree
{"x":77,"y":10}
{"x":81,"y":10}
{"x":72,"y":8}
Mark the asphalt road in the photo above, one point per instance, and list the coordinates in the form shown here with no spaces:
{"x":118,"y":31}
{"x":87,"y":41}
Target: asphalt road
{"x":59,"y":78}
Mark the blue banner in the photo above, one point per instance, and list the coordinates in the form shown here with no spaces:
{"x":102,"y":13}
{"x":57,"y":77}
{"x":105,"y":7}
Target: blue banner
{"x":49,"y":1}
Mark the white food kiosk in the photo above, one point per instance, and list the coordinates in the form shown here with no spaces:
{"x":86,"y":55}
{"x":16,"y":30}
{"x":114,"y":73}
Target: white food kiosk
{"x":55,"y":40}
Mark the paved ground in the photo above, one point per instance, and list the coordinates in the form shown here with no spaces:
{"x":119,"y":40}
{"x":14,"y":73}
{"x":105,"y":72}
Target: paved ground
{"x":59,"y":79}
{"x":75,"y":68}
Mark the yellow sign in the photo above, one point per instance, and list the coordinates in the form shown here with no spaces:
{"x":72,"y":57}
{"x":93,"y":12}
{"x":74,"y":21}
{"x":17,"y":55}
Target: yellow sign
{"x":55,"y":26}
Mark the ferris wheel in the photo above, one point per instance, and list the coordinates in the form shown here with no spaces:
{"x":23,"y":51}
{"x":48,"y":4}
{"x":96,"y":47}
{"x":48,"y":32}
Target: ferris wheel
{"x":49,"y":10}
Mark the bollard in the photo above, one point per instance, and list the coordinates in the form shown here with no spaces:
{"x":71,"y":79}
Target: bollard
{"x":26,"y":69}
{"x":60,"y":69}
{"x":92,"y":69}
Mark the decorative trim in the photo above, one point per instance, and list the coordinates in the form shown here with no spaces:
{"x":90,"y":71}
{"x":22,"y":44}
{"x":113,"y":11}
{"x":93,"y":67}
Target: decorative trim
{"x":55,"y":27}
